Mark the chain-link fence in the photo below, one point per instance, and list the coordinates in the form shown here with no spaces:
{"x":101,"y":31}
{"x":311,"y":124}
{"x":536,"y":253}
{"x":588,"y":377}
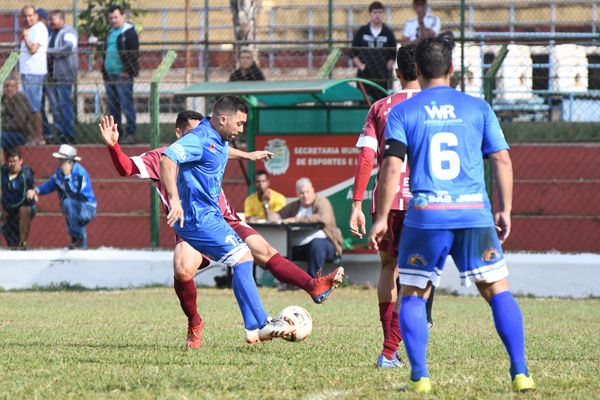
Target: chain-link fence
{"x":545,"y":93}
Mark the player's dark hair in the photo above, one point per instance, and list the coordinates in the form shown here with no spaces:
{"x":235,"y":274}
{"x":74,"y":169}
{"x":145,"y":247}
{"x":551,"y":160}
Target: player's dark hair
{"x":405,"y":60}
{"x":184,"y":117}
{"x":114,"y":7}
{"x":434,"y":55}
{"x":13,"y":153}
{"x":261,"y":172}
{"x":376,"y":5}
{"x":229,"y":105}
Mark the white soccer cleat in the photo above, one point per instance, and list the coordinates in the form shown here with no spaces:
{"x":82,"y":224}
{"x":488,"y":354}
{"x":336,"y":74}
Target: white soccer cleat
{"x":275,"y":328}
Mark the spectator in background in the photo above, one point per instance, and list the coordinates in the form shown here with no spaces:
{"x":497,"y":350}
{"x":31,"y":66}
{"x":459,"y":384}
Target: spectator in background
{"x":318,"y":245}
{"x":33,"y":67}
{"x":121,"y":51}
{"x":248,"y":70}
{"x":46,"y":130}
{"x":17,"y":127}
{"x":374,"y":51}
{"x":423,"y":26}
{"x":265,"y":201}
{"x":74,"y":187}
{"x":62,"y":74}
{"x":15,"y":180}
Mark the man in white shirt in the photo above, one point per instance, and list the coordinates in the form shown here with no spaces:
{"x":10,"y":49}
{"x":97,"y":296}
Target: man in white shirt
{"x":319,"y":244}
{"x":423,"y":26}
{"x":33,"y":67}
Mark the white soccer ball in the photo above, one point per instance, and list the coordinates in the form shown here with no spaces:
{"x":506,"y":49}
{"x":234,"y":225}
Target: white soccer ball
{"x":300,"y":319}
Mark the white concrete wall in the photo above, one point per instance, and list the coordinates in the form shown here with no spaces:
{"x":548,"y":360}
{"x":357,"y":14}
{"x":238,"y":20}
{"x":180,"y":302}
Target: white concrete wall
{"x":576,"y":275}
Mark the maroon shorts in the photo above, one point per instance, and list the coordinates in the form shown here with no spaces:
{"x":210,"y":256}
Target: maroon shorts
{"x":242,"y":229}
{"x":391,"y":240}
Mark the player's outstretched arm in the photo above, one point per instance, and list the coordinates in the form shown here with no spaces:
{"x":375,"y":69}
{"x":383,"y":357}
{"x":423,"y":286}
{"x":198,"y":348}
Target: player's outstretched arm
{"x":503,"y":176}
{"x":388,"y":183}
{"x":168,"y":176}
{"x":259,"y":155}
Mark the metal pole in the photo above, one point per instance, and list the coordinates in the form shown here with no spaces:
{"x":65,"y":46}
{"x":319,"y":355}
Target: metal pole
{"x":158,"y":76}
{"x":330,"y":23}
{"x":75,"y":85}
{"x":188,"y":53}
{"x":206,"y":53}
{"x":462,"y":45}
{"x":488,"y":88}
{"x":330,"y":29}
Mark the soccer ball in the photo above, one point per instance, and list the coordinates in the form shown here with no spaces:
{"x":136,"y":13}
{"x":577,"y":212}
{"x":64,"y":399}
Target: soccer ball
{"x":300,"y":319}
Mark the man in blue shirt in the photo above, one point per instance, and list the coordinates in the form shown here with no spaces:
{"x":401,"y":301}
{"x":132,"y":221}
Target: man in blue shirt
{"x":15,"y":179}
{"x":446,"y":134}
{"x":74,"y":188}
{"x":192,"y":172}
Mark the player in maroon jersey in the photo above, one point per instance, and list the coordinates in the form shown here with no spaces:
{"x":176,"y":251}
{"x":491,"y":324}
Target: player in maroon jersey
{"x":187,"y":260}
{"x":372,"y":142}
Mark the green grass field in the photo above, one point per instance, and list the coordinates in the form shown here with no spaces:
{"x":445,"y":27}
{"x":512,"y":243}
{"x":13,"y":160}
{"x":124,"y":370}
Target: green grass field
{"x":130,"y":344}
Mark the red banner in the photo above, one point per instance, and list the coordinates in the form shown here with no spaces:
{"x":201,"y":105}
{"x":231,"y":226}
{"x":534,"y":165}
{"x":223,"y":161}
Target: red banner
{"x":325,"y":160}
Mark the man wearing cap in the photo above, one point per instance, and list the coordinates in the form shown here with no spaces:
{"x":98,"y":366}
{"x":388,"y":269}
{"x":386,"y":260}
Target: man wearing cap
{"x":74,"y":187}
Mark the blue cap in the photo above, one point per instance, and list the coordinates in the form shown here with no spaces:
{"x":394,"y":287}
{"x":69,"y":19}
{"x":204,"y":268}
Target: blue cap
{"x":42,"y":13}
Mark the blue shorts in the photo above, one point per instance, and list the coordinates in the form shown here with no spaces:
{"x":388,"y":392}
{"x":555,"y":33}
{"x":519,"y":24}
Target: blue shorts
{"x":32,"y":87}
{"x":476,"y":252}
{"x":213,"y":237}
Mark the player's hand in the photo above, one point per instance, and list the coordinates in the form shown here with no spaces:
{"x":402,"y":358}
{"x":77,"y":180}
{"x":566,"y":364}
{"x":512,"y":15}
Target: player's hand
{"x":109,"y":130}
{"x":261,"y":155}
{"x":357,"y":223}
{"x":32,"y":195}
{"x":502,"y":221}
{"x":67,"y":168}
{"x":176,"y":213}
{"x":378,"y":231}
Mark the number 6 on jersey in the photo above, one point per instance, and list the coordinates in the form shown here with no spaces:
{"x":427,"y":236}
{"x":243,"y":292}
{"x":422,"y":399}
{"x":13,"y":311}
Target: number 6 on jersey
{"x":445,"y":163}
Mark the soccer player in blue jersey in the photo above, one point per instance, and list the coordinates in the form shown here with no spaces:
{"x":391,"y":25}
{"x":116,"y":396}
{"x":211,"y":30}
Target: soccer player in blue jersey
{"x":446,"y":135}
{"x":192,"y":171}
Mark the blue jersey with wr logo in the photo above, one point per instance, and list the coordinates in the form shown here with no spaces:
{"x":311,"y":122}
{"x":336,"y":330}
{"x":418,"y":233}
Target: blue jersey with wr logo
{"x":446,"y":133}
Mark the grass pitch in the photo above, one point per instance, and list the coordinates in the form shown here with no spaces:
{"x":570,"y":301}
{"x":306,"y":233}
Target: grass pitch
{"x":130,"y":344}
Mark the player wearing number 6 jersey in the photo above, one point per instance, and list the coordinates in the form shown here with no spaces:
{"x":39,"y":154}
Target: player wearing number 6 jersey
{"x":446,"y":135}
{"x":372,"y":142}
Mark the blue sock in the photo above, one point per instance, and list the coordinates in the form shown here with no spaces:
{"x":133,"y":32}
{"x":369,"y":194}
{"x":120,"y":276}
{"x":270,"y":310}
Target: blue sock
{"x":509,"y":325}
{"x":415,"y":334}
{"x":242,"y":275}
{"x":249,"y":320}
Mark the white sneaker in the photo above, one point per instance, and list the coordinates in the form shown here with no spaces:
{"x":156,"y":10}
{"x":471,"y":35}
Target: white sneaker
{"x":275,"y":328}
{"x":252,"y":336}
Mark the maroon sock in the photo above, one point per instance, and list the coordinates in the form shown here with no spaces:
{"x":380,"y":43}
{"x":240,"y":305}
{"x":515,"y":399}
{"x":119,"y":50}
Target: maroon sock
{"x":187,"y":293}
{"x":395,"y":334}
{"x":386,"y":311}
{"x":287,"y":272}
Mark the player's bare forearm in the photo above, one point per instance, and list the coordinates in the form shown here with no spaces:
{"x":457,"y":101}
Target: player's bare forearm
{"x":260,"y":155}
{"x":388,"y":183}
{"x":168,"y":177}
{"x":236,"y":154}
{"x":503,"y":176}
